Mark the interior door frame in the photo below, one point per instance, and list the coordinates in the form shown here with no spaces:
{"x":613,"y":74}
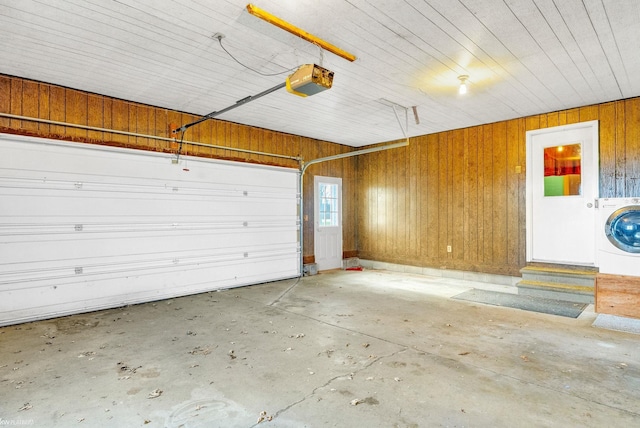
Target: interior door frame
{"x":316,"y":226}
{"x":594,"y":125}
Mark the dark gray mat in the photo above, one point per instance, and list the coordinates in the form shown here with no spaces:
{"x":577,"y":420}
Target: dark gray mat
{"x":527,"y":303}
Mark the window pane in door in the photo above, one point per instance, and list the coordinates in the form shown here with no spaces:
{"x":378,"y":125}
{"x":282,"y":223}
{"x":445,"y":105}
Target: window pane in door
{"x":563,"y":170}
{"x":329,"y":205}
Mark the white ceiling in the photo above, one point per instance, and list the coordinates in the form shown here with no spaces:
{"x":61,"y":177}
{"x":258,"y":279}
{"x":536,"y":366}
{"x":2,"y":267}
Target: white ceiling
{"x":523,"y":57}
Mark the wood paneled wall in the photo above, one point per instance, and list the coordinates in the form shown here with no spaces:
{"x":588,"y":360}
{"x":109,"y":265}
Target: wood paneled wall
{"x":462,"y":189}
{"x":45,"y":101}
{"x":457,"y":188}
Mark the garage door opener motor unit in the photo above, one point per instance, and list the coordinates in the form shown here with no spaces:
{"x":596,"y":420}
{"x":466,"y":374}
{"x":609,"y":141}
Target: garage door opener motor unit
{"x":309,"y":79}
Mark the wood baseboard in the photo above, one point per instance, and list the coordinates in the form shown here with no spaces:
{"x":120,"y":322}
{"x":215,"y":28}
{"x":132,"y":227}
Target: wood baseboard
{"x":349,"y":254}
{"x":345,"y":255}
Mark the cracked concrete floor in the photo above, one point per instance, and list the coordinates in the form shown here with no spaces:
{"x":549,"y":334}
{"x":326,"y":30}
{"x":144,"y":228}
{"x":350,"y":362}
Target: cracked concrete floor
{"x":342,"y":349}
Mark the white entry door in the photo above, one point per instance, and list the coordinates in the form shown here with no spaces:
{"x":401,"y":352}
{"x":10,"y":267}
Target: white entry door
{"x":328,"y":222}
{"x":562,"y":187}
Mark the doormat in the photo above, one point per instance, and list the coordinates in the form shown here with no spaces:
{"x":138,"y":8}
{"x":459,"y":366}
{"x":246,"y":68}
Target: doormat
{"x":526,"y":303}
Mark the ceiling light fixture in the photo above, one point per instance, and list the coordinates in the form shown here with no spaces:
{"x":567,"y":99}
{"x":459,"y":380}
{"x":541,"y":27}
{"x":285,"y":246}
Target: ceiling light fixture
{"x":463,"y":84}
{"x":274,"y":20}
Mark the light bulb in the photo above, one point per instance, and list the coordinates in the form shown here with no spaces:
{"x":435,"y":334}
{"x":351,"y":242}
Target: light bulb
{"x":463,"y":84}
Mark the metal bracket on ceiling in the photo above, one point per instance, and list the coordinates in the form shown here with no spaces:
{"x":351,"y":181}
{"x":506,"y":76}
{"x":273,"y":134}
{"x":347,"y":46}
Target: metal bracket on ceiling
{"x":396,"y":107}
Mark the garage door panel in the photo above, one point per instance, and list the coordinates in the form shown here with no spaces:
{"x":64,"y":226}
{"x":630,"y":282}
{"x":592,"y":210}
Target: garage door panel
{"x":99,"y":161}
{"x":84,"y":228}
{"x":26,"y":270}
{"x":123,"y":246}
{"x":50,"y":299}
{"x":134,"y":174}
{"x":43,"y":202}
{"x":58,"y":273}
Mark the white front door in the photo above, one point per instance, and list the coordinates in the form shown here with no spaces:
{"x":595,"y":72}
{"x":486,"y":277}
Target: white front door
{"x":328,"y":222}
{"x":562,"y":186}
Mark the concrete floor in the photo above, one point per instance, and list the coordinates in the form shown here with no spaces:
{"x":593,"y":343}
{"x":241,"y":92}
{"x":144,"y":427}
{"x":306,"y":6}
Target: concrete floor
{"x":344,"y":349}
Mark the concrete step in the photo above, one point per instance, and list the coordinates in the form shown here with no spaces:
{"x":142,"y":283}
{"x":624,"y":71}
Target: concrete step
{"x":558,"y":291}
{"x":571,"y":283}
{"x":576,"y":276}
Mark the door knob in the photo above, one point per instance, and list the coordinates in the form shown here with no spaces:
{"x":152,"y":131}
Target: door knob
{"x":589,"y":205}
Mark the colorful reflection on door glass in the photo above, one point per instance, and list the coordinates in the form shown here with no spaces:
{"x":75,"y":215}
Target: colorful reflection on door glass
{"x":563,"y":170}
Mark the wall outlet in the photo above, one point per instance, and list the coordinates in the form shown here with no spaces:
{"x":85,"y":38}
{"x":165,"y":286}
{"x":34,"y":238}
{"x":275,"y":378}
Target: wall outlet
{"x":449,"y":248}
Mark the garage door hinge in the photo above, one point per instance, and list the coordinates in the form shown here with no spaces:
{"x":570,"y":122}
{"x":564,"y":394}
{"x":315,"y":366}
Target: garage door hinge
{"x":78,"y":228}
{"x":79,"y":270}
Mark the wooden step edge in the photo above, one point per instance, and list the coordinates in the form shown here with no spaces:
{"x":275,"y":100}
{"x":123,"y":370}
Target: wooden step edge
{"x":542,"y":270}
{"x":583,"y":289}
{"x":540,"y":265}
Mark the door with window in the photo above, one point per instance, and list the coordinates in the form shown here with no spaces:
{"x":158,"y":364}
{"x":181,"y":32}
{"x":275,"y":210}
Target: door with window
{"x":562,"y":186}
{"x":328,"y":222}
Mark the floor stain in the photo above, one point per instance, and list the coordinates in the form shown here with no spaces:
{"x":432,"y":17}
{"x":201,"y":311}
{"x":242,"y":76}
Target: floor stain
{"x":74,"y":324}
{"x":370,"y":401}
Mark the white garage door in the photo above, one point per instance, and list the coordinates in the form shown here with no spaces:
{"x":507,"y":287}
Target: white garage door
{"x":85,"y":227}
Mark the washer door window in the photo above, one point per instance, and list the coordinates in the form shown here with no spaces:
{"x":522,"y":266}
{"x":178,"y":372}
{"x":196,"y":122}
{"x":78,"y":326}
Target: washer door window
{"x":623,"y":229}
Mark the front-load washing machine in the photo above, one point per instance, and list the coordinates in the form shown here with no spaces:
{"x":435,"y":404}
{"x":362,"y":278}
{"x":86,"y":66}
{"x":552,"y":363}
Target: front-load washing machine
{"x":619,"y":236}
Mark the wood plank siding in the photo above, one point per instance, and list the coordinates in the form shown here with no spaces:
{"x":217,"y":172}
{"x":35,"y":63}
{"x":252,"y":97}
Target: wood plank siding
{"x":458,"y":188}
{"x":466,"y":192}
